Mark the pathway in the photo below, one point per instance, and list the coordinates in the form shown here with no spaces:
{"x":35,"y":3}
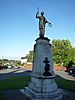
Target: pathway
{"x":65,"y":75}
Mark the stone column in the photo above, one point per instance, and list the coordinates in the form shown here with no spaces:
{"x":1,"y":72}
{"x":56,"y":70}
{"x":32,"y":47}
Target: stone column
{"x":42,"y":49}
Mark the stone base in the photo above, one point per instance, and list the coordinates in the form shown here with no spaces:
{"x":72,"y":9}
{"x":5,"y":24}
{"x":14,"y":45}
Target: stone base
{"x":42,"y":88}
{"x":43,"y":84}
{"x":33,"y":95}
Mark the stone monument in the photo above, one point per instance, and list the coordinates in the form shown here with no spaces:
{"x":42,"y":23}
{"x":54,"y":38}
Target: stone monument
{"x":42,"y":85}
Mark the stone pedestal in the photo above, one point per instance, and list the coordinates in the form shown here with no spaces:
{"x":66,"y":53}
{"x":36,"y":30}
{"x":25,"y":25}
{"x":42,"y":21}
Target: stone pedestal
{"x":42,"y":87}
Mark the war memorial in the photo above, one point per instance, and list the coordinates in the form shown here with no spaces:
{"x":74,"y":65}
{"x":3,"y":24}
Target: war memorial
{"x":42,"y":85}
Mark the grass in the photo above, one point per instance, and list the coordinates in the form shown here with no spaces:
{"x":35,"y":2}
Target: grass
{"x":66,"y":84}
{"x":14,"y":83}
{"x":1,"y":96}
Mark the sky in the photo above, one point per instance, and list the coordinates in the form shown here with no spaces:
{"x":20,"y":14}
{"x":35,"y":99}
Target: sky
{"x":19,"y":26}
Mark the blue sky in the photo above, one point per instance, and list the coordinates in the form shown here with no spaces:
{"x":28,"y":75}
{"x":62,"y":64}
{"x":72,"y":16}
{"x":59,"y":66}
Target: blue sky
{"x":19,"y":26}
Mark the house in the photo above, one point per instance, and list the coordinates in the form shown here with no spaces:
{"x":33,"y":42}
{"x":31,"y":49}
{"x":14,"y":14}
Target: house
{"x":24,"y":59}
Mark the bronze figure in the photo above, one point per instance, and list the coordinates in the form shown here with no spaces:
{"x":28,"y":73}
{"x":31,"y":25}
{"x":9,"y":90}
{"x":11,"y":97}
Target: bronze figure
{"x":42,"y":23}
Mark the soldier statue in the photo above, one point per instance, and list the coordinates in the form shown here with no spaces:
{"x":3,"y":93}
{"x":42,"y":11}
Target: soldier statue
{"x":42,"y":22}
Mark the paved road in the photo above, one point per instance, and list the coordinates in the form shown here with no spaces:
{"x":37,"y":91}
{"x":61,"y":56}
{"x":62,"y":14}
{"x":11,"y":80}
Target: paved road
{"x":4,"y":74}
{"x":65,"y":75}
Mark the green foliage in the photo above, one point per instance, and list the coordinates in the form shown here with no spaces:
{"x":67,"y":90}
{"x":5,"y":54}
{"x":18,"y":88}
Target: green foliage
{"x":61,"y":51}
{"x":10,"y":62}
{"x":3,"y":61}
{"x":30,"y":56}
{"x":72,"y":55}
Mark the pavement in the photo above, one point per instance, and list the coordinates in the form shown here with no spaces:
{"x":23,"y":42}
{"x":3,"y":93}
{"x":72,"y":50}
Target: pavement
{"x":14,"y":95}
{"x":7,"y":73}
{"x":17,"y":95}
{"x":65,"y":75}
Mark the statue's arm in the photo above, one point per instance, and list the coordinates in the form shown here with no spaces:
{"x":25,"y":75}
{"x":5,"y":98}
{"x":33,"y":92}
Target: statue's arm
{"x":48,"y":23}
{"x":37,"y":15}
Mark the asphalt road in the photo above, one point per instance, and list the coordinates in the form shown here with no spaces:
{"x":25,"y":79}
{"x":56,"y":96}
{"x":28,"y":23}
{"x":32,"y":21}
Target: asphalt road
{"x":6,"y":73}
{"x":65,"y":75}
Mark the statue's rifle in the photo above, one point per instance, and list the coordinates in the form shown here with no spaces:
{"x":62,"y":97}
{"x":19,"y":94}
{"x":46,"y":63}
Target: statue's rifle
{"x":38,"y":10}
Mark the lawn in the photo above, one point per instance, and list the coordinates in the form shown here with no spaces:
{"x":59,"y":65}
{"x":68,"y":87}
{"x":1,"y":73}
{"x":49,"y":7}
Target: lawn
{"x":22,"y":81}
{"x":1,"y":96}
{"x":14,"y":83}
{"x":66,"y":84}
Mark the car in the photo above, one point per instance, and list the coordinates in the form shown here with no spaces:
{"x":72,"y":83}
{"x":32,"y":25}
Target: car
{"x":3,"y":67}
{"x":71,"y":70}
{"x":16,"y":67}
{"x":9,"y":67}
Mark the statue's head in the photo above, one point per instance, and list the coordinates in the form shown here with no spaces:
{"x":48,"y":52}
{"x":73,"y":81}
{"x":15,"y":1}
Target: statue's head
{"x":42,"y":13}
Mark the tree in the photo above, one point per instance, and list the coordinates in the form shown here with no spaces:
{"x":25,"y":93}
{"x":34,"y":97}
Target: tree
{"x":72,"y":55}
{"x":61,"y":51}
{"x":30,"y":56}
